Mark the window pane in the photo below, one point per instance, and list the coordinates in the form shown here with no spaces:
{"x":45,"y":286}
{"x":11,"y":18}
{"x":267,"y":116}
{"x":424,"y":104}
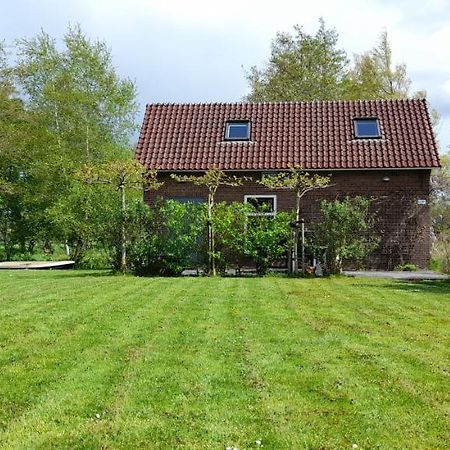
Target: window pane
{"x":237,"y":131}
{"x":367,"y":128}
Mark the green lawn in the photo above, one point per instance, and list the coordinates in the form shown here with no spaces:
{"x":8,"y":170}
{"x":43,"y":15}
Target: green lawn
{"x":94,"y":361}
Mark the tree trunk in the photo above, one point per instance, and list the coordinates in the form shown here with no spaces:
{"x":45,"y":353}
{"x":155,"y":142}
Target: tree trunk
{"x":87,"y":140}
{"x":123,"y":262}
{"x":295,"y":252}
{"x":296,"y":231}
{"x":303,"y":247}
{"x":6,"y":242}
{"x":211,"y":237}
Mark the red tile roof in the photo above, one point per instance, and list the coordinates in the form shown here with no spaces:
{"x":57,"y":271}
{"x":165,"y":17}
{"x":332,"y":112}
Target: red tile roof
{"x":312,"y":135}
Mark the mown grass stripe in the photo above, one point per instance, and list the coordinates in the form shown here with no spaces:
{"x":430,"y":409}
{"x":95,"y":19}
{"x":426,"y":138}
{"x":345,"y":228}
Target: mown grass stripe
{"x":205,"y":363}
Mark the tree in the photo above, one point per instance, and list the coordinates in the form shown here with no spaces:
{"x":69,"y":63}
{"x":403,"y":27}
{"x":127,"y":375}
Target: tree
{"x":374,"y":76}
{"x":440,"y":213}
{"x":60,"y":108}
{"x":301,"y":183}
{"x":120,"y":175}
{"x":440,"y":185}
{"x":346,"y":231}
{"x":19,"y":177}
{"x":84,"y":218}
{"x":212,"y":179}
{"x":77,"y":93}
{"x":302,"y":66}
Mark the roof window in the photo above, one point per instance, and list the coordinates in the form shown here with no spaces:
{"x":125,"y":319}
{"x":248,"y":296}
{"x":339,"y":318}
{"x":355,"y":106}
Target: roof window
{"x":237,"y":130}
{"x":367,"y":128}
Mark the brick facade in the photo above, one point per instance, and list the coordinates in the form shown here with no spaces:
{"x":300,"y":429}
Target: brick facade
{"x":403,"y":221}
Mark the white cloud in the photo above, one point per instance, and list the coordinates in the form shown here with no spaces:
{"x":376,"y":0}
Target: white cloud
{"x":446,"y":86}
{"x":194,"y":50}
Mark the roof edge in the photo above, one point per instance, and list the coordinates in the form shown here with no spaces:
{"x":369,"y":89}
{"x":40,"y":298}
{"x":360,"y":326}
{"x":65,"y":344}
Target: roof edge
{"x":296,"y":102}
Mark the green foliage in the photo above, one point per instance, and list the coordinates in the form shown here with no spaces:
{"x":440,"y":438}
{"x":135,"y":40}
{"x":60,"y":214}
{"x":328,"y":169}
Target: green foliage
{"x":313,"y":67}
{"x":267,"y":239}
{"x":84,"y":218}
{"x":301,"y":182}
{"x":373,"y":75}
{"x":229,"y":221}
{"x":301,"y":67}
{"x":73,"y":108}
{"x":169,"y":238}
{"x":77,"y":93}
{"x":211,"y":180}
{"x":346,"y":231}
{"x":120,"y":175}
{"x":440,"y":214}
{"x":407,"y":267}
{"x":441,"y":252}
{"x":440,"y":209}
{"x":296,"y":179}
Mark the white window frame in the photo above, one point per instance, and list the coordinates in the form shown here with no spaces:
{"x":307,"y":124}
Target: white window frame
{"x":272,"y":196}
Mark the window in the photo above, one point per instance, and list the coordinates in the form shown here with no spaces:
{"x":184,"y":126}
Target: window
{"x":237,"y":131}
{"x":265,"y":205}
{"x":367,"y":128}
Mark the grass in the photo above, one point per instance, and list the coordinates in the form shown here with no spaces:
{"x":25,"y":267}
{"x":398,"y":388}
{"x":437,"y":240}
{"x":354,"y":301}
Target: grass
{"x":92,"y":361}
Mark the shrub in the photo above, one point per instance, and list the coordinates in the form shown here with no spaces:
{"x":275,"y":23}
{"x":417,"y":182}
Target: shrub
{"x":267,"y":239}
{"x":230,"y":225}
{"x":441,"y":252}
{"x":170,"y":239}
{"x":407,"y":267}
{"x":346,"y":231}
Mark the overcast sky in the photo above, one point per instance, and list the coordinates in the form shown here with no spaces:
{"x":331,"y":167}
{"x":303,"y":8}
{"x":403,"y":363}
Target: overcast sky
{"x":197,"y":50}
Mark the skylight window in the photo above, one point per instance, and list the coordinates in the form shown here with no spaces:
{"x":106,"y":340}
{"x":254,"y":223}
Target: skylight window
{"x":237,"y":131}
{"x":367,"y":128}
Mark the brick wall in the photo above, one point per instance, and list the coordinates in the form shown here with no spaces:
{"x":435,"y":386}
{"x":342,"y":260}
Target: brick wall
{"x":404,"y":224}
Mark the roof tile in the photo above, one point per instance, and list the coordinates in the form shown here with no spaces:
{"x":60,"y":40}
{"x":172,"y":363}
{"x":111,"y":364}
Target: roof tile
{"x":315,"y":135}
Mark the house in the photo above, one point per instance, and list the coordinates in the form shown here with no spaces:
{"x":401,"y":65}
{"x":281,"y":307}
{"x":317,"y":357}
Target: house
{"x":384,"y":149}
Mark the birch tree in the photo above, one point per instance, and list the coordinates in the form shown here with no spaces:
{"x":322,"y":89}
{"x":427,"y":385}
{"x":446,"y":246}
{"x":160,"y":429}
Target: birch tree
{"x":121,"y":175}
{"x":77,"y":93}
{"x":374,"y":75}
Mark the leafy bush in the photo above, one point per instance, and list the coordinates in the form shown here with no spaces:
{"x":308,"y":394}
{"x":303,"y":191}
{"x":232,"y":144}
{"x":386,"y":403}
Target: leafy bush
{"x":229,"y":221}
{"x":84,"y":218}
{"x":267,"y":239}
{"x":407,"y":267}
{"x":243,"y":232}
{"x":168,"y":238}
{"x":441,"y":252}
{"x":346,"y":231}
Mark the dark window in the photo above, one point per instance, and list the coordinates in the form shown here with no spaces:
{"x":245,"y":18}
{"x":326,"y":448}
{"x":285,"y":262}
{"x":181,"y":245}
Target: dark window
{"x":367,"y":128}
{"x":237,"y":131}
{"x":265,"y":205}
